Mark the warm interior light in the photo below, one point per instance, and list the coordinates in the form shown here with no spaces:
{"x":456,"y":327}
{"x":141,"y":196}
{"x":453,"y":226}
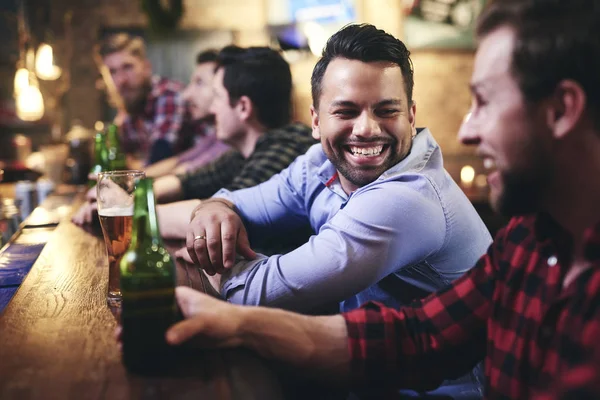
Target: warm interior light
{"x":30,"y":59}
{"x":467,"y":174}
{"x":99,"y":126}
{"x":44,"y":67}
{"x":30,"y":104}
{"x":21,"y":80}
{"x":317,"y":37}
{"x":481,"y":181}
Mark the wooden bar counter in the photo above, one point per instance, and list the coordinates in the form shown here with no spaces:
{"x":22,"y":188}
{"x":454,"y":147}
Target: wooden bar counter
{"x":56,"y":334}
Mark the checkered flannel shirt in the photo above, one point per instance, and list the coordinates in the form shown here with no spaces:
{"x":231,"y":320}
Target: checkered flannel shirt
{"x":162,"y":118}
{"x":538,"y":340}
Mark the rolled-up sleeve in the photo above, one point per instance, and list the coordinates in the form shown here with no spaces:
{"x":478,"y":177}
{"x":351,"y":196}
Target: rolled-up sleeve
{"x":377,"y":232}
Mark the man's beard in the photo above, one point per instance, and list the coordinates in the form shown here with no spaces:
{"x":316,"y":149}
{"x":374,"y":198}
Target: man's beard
{"x":522,"y":193}
{"x":136,"y":105}
{"x":360,"y":177}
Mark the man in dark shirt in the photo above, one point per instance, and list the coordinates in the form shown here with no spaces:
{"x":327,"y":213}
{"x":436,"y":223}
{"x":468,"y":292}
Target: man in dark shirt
{"x":252,"y":109}
{"x":530,"y":308}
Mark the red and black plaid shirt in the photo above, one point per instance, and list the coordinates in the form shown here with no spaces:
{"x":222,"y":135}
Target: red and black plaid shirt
{"x":162,"y":118}
{"x":538,"y":340}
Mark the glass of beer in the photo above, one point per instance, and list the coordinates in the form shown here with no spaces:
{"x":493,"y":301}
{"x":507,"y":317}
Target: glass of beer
{"x":115,"y":190}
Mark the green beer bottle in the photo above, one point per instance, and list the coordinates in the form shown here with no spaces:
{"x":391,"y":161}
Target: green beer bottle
{"x":148,"y":289}
{"x":100,"y":157}
{"x":116,"y":157}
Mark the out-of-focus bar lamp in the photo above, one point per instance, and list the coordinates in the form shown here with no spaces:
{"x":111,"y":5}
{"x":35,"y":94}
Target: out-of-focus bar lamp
{"x":467,"y":174}
{"x":44,"y":66}
{"x":29,"y":100}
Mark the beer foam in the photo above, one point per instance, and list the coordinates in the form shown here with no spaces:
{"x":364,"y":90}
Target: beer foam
{"x":126,"y":211}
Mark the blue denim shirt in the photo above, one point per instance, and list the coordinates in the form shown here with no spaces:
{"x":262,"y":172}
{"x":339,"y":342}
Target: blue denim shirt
{"x":413,"y":225}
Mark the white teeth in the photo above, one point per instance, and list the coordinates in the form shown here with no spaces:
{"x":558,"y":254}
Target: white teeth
{"x":488,"y":163}
{"x":366,"y":151}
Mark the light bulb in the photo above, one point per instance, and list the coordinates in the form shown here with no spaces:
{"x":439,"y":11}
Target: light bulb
{"x":44,"y":68}
{"x":21,"y":80}
{"x":317,"y":37}
{"x":30,"y":104}
{"x":30,"y":59}
{"x":467,"y":174}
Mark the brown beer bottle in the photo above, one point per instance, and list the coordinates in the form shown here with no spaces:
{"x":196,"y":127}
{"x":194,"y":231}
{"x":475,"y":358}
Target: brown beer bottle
{"x":148,"y":290}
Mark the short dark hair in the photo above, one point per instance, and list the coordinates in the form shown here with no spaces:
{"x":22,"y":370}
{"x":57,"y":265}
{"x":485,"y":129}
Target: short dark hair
{"x":207,"y":56}
{"x":366,"y":43}
{"x":554,"y":40}
{"x":123,"y":41}
{"x":261,"y":74}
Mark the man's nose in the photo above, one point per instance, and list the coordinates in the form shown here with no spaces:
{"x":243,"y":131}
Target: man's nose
{"x":467,"y":133}
{"x":119,"y":79}
{"x":366,"y":125}
{"x":212,"y":108}
{"x":185,"y":95}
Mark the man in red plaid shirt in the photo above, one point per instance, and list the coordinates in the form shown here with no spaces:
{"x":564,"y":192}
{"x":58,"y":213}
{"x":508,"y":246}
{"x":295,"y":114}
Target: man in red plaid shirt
{"x":530,"y":308}
{"x":154,"y":110}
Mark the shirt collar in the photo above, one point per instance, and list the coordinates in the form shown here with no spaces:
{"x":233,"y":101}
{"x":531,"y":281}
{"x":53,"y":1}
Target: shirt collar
{"x":547,"y":229}
{"x":423,"y":146}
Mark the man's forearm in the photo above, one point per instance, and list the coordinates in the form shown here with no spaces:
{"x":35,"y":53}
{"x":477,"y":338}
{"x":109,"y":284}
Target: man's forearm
{"x":318,"y":346}
{"x":161,"y":168}
{"x":173,"y":218}
{"x":168,"y":189}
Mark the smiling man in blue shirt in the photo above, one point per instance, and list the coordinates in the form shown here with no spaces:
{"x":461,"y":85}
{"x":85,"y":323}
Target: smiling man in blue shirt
{"x":391,"y":224}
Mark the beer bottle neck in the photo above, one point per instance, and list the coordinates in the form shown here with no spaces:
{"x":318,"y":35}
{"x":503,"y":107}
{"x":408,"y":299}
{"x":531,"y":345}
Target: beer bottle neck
{"x":145,"y":229}
{"x":100,"y":150}
{"x":113,"y":137}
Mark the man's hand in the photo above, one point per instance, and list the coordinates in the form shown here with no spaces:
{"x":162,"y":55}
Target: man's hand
{"x":214,"y":236}
{"x":214,"y":280}
{"x":208,"y":323}
{"x":315,"y":346}
{"x":211,"y":322}
{"x":92,"y":194}
{"x":86,"y":214}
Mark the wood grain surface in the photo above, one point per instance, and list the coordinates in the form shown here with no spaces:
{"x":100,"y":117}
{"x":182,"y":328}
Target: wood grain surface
{"x":57,"y":342}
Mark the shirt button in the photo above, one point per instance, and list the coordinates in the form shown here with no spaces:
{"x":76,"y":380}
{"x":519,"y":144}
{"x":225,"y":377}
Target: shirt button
{"x":552,"y":261}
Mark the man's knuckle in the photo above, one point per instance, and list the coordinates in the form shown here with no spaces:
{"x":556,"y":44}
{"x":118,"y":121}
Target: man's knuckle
{"x":228,"y":237}
{"x":213,"y":243}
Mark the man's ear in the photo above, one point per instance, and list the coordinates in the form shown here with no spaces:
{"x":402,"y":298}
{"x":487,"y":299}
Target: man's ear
{"x":245,"y":108}
{"x":412,"y":116}
{"x":566,"y":108}
{"x":314,"y":117}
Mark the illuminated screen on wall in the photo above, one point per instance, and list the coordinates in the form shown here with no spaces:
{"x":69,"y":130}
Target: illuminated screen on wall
{"x":322,"y":11}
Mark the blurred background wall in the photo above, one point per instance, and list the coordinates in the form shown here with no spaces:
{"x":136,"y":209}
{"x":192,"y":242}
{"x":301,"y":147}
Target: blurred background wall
{"x":441,"y":74}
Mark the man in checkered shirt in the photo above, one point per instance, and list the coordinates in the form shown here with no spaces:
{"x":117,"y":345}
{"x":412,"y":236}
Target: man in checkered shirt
{"x":154,"y":110}
{"x":530,"y":308}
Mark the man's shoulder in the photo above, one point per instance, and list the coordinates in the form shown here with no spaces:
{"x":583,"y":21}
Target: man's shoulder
{"x":290,"y":138}
{"x":518,"y":230}
{"x":295,"y":132}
